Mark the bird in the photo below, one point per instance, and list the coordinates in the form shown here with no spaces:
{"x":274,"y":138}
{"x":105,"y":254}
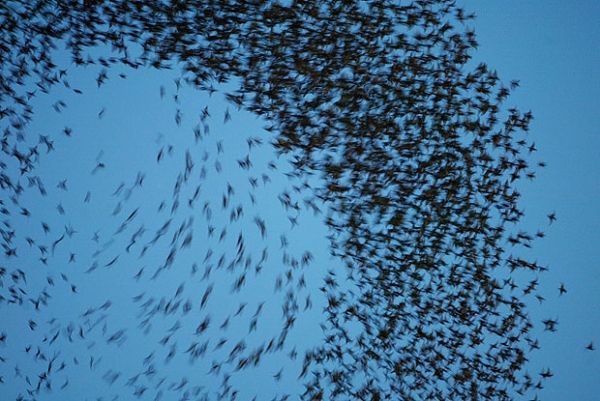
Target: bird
{"x":550,"y":324}
{"x":562,"y":290}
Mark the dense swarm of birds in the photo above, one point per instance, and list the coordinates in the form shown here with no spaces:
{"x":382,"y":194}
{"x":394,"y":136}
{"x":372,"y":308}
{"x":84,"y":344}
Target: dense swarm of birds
{"x":405,"y":149}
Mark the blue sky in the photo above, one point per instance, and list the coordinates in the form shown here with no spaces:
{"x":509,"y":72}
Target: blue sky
{"x":551,"y":47}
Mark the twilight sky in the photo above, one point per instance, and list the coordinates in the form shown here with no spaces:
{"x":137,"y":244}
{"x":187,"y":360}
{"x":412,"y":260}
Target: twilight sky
{"x":126,"y":130}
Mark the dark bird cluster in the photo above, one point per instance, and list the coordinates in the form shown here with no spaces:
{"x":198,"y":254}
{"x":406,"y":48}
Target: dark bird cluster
{"x":408,"y":154}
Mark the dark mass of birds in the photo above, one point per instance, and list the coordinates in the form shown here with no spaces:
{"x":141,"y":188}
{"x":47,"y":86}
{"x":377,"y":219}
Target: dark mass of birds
{"x":415,"y":156}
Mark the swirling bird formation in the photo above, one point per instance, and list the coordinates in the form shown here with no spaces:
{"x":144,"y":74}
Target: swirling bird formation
{"x":412,"y":158}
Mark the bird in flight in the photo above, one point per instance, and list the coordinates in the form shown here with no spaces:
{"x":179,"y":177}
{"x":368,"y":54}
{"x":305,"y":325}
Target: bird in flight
{"x":562,"y":290}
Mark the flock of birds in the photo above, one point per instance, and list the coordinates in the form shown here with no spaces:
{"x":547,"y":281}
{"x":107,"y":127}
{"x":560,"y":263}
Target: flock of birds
{"x":199,"y":248}
{"x":409,"y":157}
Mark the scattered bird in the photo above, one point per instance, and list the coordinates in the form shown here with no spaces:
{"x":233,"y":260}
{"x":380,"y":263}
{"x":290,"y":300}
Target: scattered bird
{"x":562,"y":290}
